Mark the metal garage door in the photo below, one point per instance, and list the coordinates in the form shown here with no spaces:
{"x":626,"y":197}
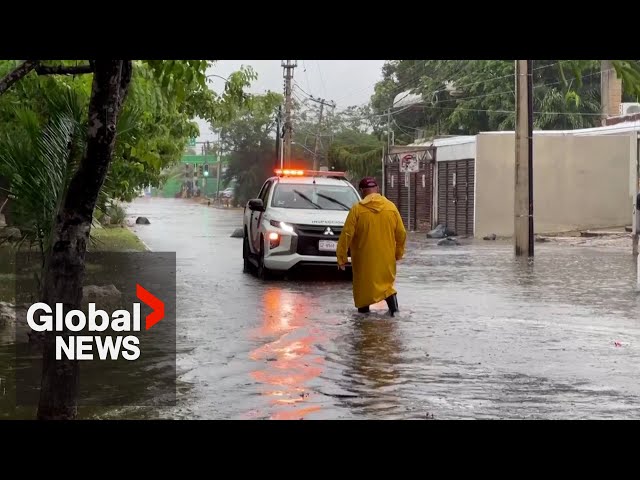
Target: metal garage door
{"x":421,"y":197}
{"x":456,"y":181}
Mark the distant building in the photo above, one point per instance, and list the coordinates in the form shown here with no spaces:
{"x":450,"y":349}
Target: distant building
{"x":582,"y":179}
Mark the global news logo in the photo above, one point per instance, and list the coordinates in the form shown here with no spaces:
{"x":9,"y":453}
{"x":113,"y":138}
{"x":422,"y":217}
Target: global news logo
{"x":42,"y":318}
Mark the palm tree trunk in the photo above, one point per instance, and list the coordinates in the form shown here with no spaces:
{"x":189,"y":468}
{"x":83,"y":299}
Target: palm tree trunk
{"x":64,"y":267}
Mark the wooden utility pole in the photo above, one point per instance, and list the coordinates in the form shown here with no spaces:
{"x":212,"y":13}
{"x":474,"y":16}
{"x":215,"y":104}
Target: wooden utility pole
{"x":288,"y":66}
{"x":523,"y":225}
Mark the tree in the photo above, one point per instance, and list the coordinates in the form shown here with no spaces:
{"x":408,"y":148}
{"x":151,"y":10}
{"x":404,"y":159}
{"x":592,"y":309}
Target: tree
{"x":64,"y":265}
{"x":342,"y":134}
{"x":470,"y":96}
{"x":358,"y":153}
{"x":168,"y":108}
{"x":40,"y":159}
{"x":249,"y":139}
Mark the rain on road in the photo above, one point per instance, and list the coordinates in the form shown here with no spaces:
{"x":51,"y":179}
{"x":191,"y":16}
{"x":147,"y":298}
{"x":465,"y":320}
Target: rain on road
{"x":480,"y":335}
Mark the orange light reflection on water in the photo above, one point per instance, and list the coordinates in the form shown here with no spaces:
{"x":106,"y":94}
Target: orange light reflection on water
{"x":287,"y":362}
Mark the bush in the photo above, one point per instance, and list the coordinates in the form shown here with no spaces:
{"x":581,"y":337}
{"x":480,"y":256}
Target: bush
{"x":117,"y":214}
{"x":98,"y":214}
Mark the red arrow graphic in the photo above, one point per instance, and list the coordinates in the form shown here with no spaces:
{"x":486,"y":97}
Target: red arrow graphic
{"x":154,"y":302}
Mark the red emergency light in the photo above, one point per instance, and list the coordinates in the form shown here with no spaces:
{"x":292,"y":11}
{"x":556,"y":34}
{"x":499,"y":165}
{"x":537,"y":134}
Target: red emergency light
{"x":308,"y":173}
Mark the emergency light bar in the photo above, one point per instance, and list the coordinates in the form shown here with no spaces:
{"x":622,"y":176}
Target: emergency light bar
{"x":308,"y":173}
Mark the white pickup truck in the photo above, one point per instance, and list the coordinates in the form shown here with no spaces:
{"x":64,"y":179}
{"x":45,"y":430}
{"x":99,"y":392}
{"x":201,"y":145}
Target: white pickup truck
{"x":296,"y":221}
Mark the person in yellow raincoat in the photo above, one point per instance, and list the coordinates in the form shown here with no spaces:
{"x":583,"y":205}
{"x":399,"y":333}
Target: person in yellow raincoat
{"x":375,"y":236}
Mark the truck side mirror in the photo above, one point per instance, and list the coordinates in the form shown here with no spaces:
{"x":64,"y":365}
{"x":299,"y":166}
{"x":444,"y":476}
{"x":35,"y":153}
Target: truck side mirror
{"x":256,"y":205}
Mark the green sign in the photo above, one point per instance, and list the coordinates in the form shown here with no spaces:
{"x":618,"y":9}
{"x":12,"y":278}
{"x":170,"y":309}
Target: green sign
{"x":192,"y":142}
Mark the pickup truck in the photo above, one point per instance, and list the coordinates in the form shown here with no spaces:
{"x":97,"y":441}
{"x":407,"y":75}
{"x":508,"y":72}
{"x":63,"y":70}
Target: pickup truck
{"x":296,"y":221}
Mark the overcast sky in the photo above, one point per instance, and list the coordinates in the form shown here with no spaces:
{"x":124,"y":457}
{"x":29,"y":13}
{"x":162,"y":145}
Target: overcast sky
{"x":347,"y":82}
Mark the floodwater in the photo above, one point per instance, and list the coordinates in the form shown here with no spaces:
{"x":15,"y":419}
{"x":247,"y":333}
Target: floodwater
{"x":480,"y":335}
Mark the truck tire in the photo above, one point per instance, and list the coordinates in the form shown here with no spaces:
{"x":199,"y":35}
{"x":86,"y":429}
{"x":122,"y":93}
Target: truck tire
{"x":246,"y":268}
{"x":263,"y":272}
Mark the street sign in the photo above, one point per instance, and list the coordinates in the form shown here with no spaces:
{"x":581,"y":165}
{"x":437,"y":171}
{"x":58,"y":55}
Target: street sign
{"x":409,"y":163}
{"x":192,"y":142}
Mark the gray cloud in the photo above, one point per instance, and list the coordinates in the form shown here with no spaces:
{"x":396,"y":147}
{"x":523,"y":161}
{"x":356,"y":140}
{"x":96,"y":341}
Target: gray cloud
{"x":347,"y":82}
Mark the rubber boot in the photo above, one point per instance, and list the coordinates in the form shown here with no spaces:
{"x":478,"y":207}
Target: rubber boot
{"x":392,"y":303}
{"x":364,"y":309}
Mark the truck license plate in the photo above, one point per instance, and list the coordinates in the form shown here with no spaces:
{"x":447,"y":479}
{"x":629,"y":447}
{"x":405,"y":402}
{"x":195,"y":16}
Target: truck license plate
{"x":327,"y":246}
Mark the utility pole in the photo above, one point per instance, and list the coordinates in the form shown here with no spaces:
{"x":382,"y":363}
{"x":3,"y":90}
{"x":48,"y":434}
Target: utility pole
{"x":315,"y":150}
{"x":219,"y":166}
{"x":389,"y":143}
{"x":330,"y":127}
{"x":288,"y":66}
{"x":322,"y":104}
{"x":523,"y":193}
{"x":278,"y":136}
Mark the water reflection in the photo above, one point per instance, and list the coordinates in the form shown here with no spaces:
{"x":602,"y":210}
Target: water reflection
{"x":373,"y":370}
{"x":288,"y":359}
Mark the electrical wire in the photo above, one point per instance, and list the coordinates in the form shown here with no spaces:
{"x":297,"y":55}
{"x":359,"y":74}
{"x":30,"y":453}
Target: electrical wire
{"x":489,"y":95}
{"x":324,"y":86}
{"x":415,"y":78}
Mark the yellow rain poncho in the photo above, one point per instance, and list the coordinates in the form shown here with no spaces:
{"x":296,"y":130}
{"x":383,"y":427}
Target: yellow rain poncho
{"x":375,"y":235}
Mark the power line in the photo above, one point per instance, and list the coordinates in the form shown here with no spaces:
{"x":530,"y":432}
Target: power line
{"x":324,"y":86}
{"x":483,"y":96}
{"x":306,"y":75}
{"x":415,"y":78}
{"x":511,"y":91}
{"x":372,"y":117}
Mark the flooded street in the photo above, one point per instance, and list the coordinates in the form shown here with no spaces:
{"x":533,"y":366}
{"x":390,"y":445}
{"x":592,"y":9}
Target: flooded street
{"x":480,"y":335}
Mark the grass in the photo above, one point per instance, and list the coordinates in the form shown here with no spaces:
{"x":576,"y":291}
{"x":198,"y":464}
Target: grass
{"x":115,"y":239}
{"x":108,"y":239}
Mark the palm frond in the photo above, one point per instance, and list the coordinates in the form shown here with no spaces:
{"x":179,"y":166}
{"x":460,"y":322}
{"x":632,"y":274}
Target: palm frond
{"x":40,"y":161}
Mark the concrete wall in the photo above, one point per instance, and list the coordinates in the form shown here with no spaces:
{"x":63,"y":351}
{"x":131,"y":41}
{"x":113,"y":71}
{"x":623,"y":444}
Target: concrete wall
{"x":579,"y":182}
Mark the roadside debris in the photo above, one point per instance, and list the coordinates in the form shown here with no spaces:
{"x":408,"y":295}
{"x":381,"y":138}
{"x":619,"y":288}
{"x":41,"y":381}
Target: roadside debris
{"x":441,"y":232}
{"x":448,"y":242}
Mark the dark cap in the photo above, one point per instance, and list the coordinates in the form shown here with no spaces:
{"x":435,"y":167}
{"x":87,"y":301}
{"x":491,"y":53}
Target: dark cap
{"x":367,"y":182}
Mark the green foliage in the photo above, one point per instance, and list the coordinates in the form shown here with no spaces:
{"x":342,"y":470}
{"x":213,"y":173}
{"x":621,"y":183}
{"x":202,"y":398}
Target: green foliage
{"x":356,"y":152}
{"x":39,"y":158}
{"x":249,"y":140}
{"x":349,"y":127}
{"x":116,"y":214}
{"x":43,"y":128}
{"x":482,"y":96}
{"x":156,"y":122}
{"x":346,"y":141}
{"x":164,"y":97}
